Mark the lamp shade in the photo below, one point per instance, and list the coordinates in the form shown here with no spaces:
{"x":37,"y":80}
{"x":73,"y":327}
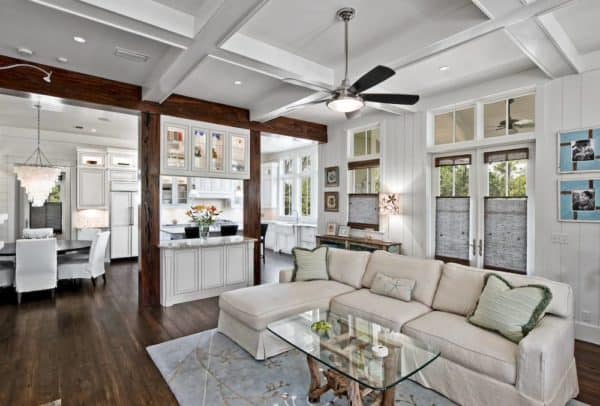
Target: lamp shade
{"x":389,"y":203}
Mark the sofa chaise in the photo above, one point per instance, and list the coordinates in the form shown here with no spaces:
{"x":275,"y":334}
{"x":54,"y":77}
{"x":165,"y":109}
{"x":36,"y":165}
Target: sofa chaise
{"x":476,"y":366}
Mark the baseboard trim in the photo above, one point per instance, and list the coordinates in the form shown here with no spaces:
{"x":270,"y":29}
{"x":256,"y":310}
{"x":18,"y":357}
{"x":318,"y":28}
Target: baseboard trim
{"x":587,"y":332}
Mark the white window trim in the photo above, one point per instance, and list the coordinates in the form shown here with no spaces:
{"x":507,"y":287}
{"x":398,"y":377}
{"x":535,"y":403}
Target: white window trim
{"x":296,"y":179}
{"x":480,"y":140}
{"x":350,"y":144}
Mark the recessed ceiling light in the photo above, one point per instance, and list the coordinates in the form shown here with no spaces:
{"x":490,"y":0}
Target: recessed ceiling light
{"x":24,"y":51}
{"x":105,"y":119}
{"x":93,"y":130}
{"x":444,"y":68}
{"x":81,"y":40}
{"x":79,"y":127}
{"x":62,"y":59}
{"x":237,"y":82}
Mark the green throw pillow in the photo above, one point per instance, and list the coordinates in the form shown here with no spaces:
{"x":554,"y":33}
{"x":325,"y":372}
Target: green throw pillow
{"x":310,"y":265}
{"x":510,"y":311}
{"x":397,"y":288}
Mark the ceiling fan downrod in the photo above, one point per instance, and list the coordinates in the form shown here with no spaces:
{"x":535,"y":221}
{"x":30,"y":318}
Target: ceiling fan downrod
{"x":346,"y":14}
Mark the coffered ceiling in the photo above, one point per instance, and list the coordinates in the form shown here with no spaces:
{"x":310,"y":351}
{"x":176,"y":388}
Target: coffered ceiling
{"x":202,"y":48}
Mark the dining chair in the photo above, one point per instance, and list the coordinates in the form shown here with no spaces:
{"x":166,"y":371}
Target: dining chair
{"x":7,"y":273}
{"x":29,"y":233}
{"x":77,"y":268}
{"x":36,"y":266}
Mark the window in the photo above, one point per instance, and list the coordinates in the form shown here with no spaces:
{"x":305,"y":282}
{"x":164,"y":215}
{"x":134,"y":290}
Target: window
{"x":364,"y":176}
{"x":454,"y":175}
{"x":454,"y":126}
{"x":297,"y":185}
{"x":507,"y":173}
{"x":509,"y":116}
{"x":305,"y":209}
{"x":287,"y":198}
{"x":365,"y":142}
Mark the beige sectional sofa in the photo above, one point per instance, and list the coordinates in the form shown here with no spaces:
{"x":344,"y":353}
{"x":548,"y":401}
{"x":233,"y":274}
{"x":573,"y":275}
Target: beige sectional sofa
{"x":476,"y":366}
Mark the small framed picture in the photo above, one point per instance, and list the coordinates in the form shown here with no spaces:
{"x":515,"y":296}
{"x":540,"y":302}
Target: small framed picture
{"x":332,"y":176}
{"x":344,"y":231}
{"x":579,"y":150}
{"x":579,"y":200}
{"x":332,"y":201}
{"x":331,"y":228}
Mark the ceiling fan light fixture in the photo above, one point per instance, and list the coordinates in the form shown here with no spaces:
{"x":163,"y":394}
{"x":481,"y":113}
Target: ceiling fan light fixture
{"x":346,"y":104}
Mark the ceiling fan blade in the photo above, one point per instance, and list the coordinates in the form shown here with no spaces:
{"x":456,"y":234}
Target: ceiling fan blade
{"x":373,"y":77}
{"x":390,"y":98}
{"x":353,"y":114}
{"x":303,"y":83}
{"x":310,"y":103}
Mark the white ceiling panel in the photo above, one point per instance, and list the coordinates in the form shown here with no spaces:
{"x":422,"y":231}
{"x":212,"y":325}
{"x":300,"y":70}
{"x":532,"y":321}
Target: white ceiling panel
{"x":214,"y":80}
{"x":493,"y":55}
{"x":49,"y":34}
{"x":272,"y":143}
{"x":310,"y":29}
{"x":581,"y":23}
{"x":55,"y":116}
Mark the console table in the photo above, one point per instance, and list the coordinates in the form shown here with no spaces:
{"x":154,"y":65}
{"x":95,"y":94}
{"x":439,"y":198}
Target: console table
{"x":361,"y":244}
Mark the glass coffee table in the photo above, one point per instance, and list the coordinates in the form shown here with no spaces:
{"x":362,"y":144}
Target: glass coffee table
{"x":363,"y":359}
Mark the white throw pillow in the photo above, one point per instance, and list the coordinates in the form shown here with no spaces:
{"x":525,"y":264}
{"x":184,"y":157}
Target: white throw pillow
{"x":393,"y":287}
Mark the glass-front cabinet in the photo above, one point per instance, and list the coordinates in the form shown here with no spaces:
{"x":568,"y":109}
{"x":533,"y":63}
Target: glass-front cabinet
{"x":175,"y":147}
{"x":239,"y":153}
{"x":217,"y":151}
{"x":200,"y":149}
{"x":196,"y":148}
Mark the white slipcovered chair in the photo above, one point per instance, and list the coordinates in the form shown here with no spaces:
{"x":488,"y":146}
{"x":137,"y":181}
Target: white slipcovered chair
{"x":29,"y":233}
{"x":36,"y":266}
{"x":76,"y":268}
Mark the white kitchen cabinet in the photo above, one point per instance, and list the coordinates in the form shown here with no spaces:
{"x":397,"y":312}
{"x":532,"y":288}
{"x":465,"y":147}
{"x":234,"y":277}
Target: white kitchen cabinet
{"x":194,"y":148}
{"x":197,"y":269}
{"x":91,"y":188}
{"x":122,"y":161}
{"x":285,"y":237}
{"x":123,"y":225}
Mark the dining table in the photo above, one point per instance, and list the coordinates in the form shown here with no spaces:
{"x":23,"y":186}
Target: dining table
{"x":62,"y":247}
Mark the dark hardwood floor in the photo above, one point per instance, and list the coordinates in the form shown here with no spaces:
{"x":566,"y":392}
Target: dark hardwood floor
{"x":88,"y":345}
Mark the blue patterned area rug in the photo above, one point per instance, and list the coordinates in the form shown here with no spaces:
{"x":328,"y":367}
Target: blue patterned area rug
{"x":209,"y":369}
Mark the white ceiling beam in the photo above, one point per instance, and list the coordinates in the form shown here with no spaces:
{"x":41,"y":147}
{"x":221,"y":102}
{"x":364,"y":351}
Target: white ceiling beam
{"x":120,"y":22}
{"x":551,"y":53}
{"x":226,"y":20}
{"x":513,"y":17}
{"x":279,"y":103}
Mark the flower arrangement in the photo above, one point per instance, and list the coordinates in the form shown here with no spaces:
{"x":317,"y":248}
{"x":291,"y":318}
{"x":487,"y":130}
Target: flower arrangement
{"x":202,"y":215}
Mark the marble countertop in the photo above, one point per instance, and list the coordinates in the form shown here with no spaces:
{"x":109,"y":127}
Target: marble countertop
{"x":289,"y":223}
{"x":208,"y":242}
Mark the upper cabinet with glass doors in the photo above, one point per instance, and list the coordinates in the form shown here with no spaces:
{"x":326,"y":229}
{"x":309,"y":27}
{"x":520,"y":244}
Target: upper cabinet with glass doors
{"x":203,"y":149}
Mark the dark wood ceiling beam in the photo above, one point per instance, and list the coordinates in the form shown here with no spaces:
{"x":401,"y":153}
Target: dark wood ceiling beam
{"x":85,"y":88}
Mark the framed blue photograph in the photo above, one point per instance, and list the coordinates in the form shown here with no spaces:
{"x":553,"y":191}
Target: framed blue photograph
{"x":579,"y":200}
{"x":579,"y":151}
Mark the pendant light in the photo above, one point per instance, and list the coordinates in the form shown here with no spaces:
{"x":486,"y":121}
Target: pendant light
{"x":37,"y":175}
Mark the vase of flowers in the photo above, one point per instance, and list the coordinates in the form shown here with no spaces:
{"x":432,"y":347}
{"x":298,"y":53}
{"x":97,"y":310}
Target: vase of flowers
{"x":204,"y":217}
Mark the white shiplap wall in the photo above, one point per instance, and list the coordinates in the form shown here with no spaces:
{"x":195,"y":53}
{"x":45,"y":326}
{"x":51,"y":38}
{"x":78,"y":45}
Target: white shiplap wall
{"x":570,"y":102}
{"x":403,"y":169}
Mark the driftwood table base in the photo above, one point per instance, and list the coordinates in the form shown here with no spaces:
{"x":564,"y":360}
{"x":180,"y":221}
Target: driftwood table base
{"x":343,"y":387}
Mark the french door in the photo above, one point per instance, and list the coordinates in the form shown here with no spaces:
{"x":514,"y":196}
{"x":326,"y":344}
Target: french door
{"x":482,"y":213}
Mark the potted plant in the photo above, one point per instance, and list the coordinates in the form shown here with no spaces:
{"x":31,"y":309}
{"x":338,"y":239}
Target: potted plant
{"x":204,"y":217}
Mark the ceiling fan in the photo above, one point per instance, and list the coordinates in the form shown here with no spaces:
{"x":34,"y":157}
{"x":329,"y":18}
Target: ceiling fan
{"x":350,"y":99}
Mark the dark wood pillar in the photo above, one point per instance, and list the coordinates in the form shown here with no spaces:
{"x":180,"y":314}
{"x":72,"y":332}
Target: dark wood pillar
{"x":149,"y":217}
{"x":252,"y":202}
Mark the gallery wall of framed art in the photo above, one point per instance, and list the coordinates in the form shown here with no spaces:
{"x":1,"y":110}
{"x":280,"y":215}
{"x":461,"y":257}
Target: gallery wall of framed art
{"x":579,"y":154}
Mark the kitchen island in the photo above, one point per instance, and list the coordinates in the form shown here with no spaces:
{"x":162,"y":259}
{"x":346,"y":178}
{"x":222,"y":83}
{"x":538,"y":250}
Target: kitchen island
{"x":193,"y":269}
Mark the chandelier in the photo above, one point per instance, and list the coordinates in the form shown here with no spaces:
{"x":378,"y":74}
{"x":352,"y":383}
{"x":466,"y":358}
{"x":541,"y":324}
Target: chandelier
{"x":37,"y":175}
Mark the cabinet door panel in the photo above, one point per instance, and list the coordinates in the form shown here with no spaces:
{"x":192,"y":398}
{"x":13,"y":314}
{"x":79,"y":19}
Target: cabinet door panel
{"x":91,"y":188}
{"x":199,"y":149}
{"x":175,"y":148}
{"x":120,"y":212}
{"x":238,"y":153}
{"x":236,"y":264}
{"x":213,"y":267}
{"x":119,"y":242}
{"x":185,"y":277}
{"x":217,"y":151}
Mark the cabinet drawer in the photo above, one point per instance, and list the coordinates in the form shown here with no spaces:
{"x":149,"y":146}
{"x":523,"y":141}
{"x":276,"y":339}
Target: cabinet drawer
{"x":118,"y":186}
{"x":128,"y":176}
{"x":123,"y":161}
